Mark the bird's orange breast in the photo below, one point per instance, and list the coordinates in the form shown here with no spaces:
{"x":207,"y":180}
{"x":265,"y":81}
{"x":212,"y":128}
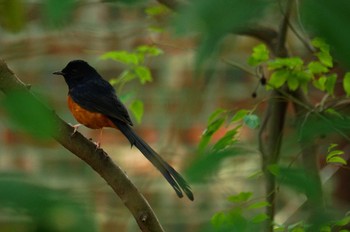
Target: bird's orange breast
{"x":89,"y":119}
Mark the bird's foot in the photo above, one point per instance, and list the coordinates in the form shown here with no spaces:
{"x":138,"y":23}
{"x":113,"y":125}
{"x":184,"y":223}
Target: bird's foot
{"x":75,"y":127}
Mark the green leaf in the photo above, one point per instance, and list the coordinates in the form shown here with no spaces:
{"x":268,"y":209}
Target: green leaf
{"x":206,"y":136}
{"x":144,"y":74}
{"x":274,"y":169}
{"x":260,"y":54}
{"x":346,"y":84}
{"x":27,"y":114}
{"x":290,"y":63}
{"x":331,"y":146}
{"x":136,"y":108}
{"x":252,"y":121}
{"x":293,"y":83}
{"x":260,"y":218}
{"x":227,"y":140}
{"x":218,"y":112}
{"x":239,"y":115}
{"x":149,"y":50}
{"x":325,"y":58}
{"x":218,"y":219}
{"x":278,"y":78}
{"x":124,"y":57}
{"x":241,"y":197}
{"x":317,"y":67}
{"x":337,"y":159}
{"x":320,"y":83}
{"x":330,"y":83}
{"x":259,"y":205}
{"x":344,"y":221}
{"x":335,"y":153}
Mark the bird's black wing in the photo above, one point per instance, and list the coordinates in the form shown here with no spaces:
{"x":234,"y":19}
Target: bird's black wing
{"x":97,"y":95}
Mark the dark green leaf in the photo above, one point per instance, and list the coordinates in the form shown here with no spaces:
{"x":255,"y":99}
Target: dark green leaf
{"x":27,"y":114}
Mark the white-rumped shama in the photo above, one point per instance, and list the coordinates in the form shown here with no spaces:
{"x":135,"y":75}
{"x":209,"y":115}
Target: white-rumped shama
{"x":94,"y":103}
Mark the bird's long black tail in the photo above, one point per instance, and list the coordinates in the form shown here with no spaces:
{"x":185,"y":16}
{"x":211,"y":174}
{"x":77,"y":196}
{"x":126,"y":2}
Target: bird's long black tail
{"x":170,"y":174}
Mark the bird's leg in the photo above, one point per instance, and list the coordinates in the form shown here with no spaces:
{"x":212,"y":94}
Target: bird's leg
{"x":75,"y":127}
{"x":98,"y":143}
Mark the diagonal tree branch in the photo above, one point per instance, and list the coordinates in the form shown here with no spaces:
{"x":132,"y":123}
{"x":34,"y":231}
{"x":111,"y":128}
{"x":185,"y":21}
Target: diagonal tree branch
{"x":97,"y":159}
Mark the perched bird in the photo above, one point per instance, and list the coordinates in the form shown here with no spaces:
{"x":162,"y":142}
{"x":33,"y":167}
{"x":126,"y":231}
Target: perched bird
{"x":94,"y":103}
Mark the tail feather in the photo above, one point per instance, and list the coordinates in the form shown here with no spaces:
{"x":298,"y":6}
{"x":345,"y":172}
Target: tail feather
{"x":170,"y":174}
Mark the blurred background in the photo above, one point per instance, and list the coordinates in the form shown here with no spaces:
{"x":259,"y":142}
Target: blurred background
{"x":45,"y":180}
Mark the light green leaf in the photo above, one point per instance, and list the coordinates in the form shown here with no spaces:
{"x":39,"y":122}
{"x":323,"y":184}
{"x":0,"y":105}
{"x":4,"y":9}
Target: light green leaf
{"x":259,"y":55}
{"x":156,"y":10}
{"x":241,"y":197}
{"x":290,"y":63}
{"x":136,"y":108}
{"x":259,"y":205}
{"x":325,"y":58}
{"x":331,"y":146}
{"x":316,"y":67}
{"x":124,"y":57}
{"x":330,"y":83}
{"x":206,"y":136}
{"x":320,"y":83}
{"x":144,"y":74}
{"x":278,"y":78}
{"x":149,"y":50}
{"x":337,"y":159}
{"x":346,"y":84}
{"x":252,"y":121}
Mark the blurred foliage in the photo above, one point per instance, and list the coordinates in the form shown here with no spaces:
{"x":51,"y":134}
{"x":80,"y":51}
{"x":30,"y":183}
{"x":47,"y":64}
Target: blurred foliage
{"x":12,"y":15}
{"x":329,"y":20}
{"x":45,"y":209}
{"x":244,"y":215}
{"x":214,"y":19}
{"x":27,"y":114}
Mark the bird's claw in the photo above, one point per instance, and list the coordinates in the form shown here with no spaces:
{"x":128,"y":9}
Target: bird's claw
{"x":75,"y":128}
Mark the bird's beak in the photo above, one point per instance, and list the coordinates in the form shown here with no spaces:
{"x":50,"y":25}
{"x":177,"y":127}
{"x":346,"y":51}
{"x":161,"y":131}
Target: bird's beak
{"x":59,"y":73}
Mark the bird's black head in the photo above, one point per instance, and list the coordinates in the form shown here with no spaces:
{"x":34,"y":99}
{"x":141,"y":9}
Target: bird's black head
{"x":77,"y":71}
